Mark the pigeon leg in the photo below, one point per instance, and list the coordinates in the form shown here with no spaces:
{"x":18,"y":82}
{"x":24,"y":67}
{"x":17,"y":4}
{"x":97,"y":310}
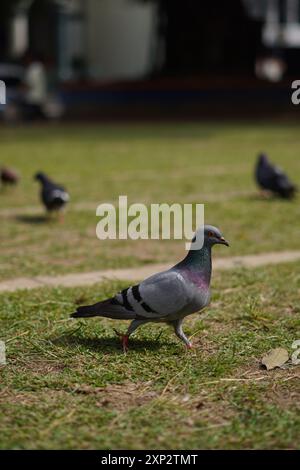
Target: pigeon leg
{"x":132,"y":327}
{"x":124,"y":340}
{"x":49,"y":216}
{"x":180,"y":334}
{"x":264,"y":194}
{"x":61,"y":216}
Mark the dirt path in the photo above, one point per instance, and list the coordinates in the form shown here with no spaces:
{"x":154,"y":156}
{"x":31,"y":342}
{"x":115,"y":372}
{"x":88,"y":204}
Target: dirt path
{"x":33,"y":210}
{"x":139,"y":273}
{"x":92,"y":206}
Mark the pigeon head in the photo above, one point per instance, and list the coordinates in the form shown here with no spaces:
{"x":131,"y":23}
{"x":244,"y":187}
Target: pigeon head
{"x":263,"y":158}
{"x":212,"y":236}
{"x":40,"y":176}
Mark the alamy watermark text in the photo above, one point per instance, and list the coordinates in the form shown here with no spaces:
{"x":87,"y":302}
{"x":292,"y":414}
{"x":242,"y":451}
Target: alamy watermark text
{"x":2,"y":92}
{"x":158,"y":221}
{"x":296,"y":93}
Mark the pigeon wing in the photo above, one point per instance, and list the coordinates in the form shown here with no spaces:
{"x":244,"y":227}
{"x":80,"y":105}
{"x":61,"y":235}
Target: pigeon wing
{"x":160,"y":295}
{"x":52,"y":193}
{"x":266,"y":175}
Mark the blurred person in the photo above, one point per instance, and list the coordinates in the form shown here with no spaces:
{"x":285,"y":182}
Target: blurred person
{"x":53,"y":106}
{"x":12,"y":75}
{"x":34,"y":87}
{"x":271,"y":68}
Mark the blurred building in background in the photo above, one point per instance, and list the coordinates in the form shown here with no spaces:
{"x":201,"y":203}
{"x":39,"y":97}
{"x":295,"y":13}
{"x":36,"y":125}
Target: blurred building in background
{"x":95,"y":39}
{"x":100,"y":42}
{"x":130,"y":39}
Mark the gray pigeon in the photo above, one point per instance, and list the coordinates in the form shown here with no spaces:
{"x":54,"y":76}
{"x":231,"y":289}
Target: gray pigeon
{"x":165,"y":297}
{"x":271,"y":178}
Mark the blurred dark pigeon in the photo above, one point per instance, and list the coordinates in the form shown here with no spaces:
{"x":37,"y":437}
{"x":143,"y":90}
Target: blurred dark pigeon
{"x":53,"y":196}
{"x":9,"y":176}
{"x":165,"y":297}
{"x":271,"y":178}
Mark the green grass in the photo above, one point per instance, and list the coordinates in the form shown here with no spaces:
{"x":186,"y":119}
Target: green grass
{"x":197,"y":163}
{"x":68,"y":385}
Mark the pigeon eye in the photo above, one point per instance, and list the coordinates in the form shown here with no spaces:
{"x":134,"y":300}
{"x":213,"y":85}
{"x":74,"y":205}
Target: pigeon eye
{"x":211,"y":234}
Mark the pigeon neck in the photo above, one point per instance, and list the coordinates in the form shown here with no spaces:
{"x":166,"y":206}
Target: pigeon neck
{"x":44,"y":180}
{"x":198,"y":263}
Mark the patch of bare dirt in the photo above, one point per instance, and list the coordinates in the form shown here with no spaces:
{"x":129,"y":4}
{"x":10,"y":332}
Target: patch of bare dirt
{"x":120,"y":397}
{"x":282,"y":384}
{"x":33,"y":397}
{"x":203,"y":409}
{"x":44,"y":367}
{"x":40,"y":366}
{"x":284,"y":395}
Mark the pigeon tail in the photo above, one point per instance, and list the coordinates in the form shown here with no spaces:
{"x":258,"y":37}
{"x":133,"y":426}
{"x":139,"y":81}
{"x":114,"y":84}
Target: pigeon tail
{"x":286,"y":189}
{"x":82,"y":312}
{"x":271,"y":178}
{"x":109,"y":308}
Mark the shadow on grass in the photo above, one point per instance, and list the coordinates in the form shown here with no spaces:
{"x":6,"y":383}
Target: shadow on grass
{"x":267,"y":198}
{"x":32,"y":219}
{"x":255,"y":197}
{"x":6,"y":189}
{"x":105,"y":344}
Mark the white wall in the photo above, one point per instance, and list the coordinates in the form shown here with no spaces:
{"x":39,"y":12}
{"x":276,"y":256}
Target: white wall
{"x":119,"y":38}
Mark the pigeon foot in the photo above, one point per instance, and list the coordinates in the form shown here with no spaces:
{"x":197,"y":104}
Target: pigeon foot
{"x":61,"y":218}
{"x":124,"y":340}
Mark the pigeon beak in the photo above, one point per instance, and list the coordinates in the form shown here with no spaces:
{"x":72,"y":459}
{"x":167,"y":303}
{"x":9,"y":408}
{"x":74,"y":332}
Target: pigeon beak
{"x":223,"y":241}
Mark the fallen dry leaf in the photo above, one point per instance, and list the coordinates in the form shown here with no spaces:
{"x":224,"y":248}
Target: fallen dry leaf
{"x":275,"y":358}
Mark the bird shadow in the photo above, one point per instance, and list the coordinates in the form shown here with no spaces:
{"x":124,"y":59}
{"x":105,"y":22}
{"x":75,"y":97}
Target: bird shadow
{"x":4,"y":189}
{"x":260,"y":197}
{"x":268,"y":198}
{"x":32,"y":219}
{"x":105,"y":344}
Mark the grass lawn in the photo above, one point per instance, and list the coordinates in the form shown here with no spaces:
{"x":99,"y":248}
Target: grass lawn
{"x":196,"y":163}
{"x":67,"y":383}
